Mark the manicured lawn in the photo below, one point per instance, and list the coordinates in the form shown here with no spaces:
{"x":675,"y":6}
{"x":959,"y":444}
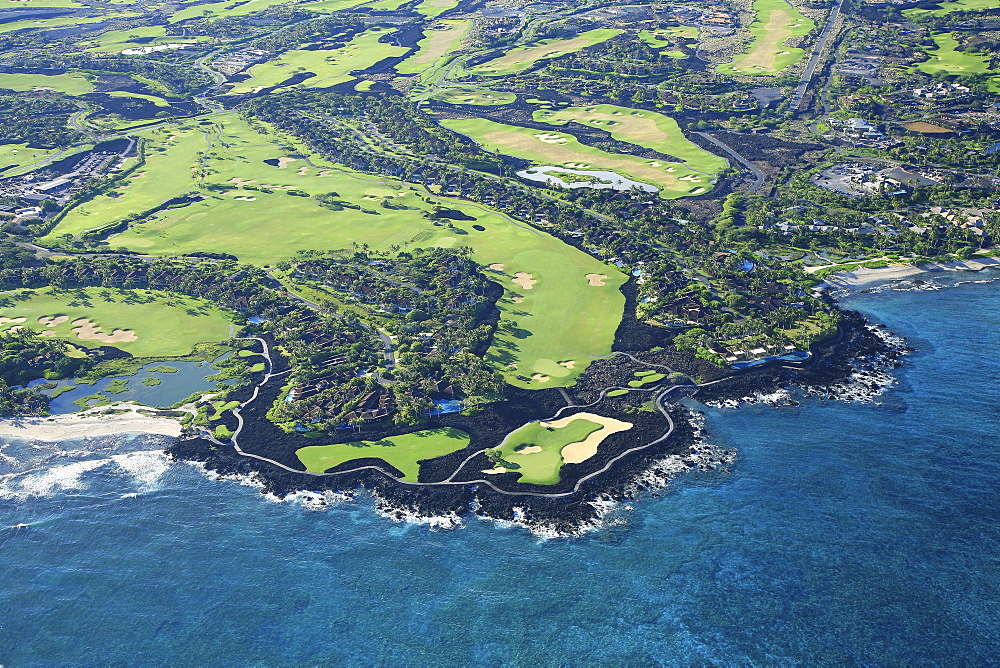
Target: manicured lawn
{"x":402,"y":452}
{"x":523,"y":57}
{"x":330,"y":67}
{"x":561,"y":319}
{"x":542,"y":468}
{"x":647,"y":378}
{"x":435,"y":7}
{"x":776,"y":22}
{"x":617,"y":393}
{"x":330,"y":6}
{"x":436,"y":48}
{"x":158,"y":101}
{"x":161,"y":324}
{"x":946,"y":58}
{"x":645,"y":128}
{"x":118,"y":40}
{"x":948,"y":7}
{"x":475,"y":95}
{"x":225,"y":8}
{"x":22,"y":156}
{"x":166,"y":174}
{"x":659,"y":38}
{"x":563,"y":149}
{"x":71,"y":84}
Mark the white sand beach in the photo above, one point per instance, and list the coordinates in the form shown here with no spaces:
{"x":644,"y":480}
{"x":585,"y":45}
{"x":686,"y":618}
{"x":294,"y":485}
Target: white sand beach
{"x":81,"y":425}
{"x":851,"y":280}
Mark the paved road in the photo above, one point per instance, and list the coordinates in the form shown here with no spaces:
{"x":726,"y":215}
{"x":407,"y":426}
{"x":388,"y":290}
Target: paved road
{"x":757,"y":174}
{"x":807,"y":74}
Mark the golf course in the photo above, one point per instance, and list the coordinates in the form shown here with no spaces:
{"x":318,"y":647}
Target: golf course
{"x":523,"y":57}
{"x":146,"y":323}
{"x":563,"y":149}
{"x":643,"y":128}
{"x":776,"y":22}
{"x":436,"y":48}
{"x":402,"y":452}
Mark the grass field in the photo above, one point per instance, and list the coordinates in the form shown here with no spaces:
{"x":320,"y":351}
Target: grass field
{"x":22,"y":157}
{"x":645,"y":128}
{"x":158,"y":101}
{"x":226,"y":8}
{"x":949,"y":7}
{"x":563,"y":318}
{"x":168,"y":173}
{"x":523,"y":57}
{"x":436,"y":48}
{"x":330,"y":67}
{"x":119,"y":40}
{"x":562,"y":149}
{"x":56,"y":22}
{"x":946,"y":58}
{"x":403,"y":452}
{"x":481,"y":97}
{"x":161,"y":324}
{"x":71,"y":84}
{"x":776,"y":22}
{"x":435,"y":7}
{"x":329,"y":6}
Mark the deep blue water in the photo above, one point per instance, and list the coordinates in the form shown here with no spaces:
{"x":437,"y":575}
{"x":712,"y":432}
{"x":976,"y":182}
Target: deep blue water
{"x":845,"y":533}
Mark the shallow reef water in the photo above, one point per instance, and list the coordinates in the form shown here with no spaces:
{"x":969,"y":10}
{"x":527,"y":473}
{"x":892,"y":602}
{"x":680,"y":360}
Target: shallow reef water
{"x":843,"y":532}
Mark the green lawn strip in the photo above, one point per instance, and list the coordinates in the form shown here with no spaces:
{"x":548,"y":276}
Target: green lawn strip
{"x":523,"y":57}
{"x":775,"y":23}
{"x":220,"y":407}
{"x":132,"y":38}
{"x":164,"y":324}
{"x":563,"y":149}
{"x":617,"y":393}
{"x":163,"y":368}
{"x":402,"y":452}
{"x":158,"y":101}
{"x":644,"y":373}
{"x":474,"y":95}
{"x":561,"y":319}
{"x":258,"y":367}
{"x":329,"y":6}
{"x":330,"y":66}
{"x":225,"y":8}
{"x":71,"y":84}
{"x":643,"y":128}
{"x":542,"y":468}
{"x":247,"y":353}
{"x":436,"y":47}
{"x":168,"y":173}
{"x":222,"y":432}
{"x":432,"y":8}
{"x":947,"y":58}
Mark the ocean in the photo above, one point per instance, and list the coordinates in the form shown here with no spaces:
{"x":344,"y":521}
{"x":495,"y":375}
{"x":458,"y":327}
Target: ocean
{"x":845,"y":533}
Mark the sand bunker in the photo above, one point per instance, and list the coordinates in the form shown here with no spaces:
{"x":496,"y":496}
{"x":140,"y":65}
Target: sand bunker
{"x":246,"y":199}
{"x":550,"y":138}
{"x":86,"y":330}
{"x":240,"y":182}
{"x":496,"y":266}
{"x":284,"y":162}
{"x":495,"y":471}
{"x":541,"y":378}
{"x":596,"y":279}
{"x":302,"y":171}
{"x":569,"y":364}
{"x":524,"y":280}
{"x":53,"y":320}
{"x":528,"y":450}
{"x":326,"y":172}
{"x":7,"y":321}
{"x":517,"y":300}
{"x":581,"y":451}
{"x":46,"y":332}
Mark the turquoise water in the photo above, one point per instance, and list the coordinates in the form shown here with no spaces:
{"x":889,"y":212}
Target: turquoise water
{"x":846,"y":533}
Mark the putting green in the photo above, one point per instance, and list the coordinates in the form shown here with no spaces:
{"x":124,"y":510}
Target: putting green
{"x":146,"y":323}
{"x":436,"y":48}
{"x":403,"y":452}
{"x":71,"y":84}
{"x":563,"y":318}
{"x":645,"y":128}
{"x":330,"y":67}
{"x":562,"y":149}
{"x":523,"y":57}
{"x":776,"y":22}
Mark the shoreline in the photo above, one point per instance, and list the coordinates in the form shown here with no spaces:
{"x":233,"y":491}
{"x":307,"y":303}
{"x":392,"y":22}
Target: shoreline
{"x":88,"y":424}
{"x":862,"y":277}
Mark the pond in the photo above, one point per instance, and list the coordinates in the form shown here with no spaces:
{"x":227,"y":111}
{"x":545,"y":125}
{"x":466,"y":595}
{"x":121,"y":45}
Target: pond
{"x":599,"y":180}
{"x":177,"y":381}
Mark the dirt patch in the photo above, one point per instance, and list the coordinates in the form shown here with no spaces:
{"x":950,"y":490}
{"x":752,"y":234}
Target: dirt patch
{"x":926,"y":128}
{"x":596,"y":279}
{"x":87,"y":330}
{"x":524,"y":279}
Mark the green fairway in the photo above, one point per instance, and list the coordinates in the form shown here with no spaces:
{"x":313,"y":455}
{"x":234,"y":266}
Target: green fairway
{"x":563,"y":149}
{"x":562,"y":319}
{"x":329,"y":6}
{"x":435,"y":7}
{"x":436,"y":48}
{"x":132,"y":38}
{"x":523,"y":57}
{"x":474,"y":95}
{"x":330,"y":67}
{"x":158,"y":101}
{"x":20,"y":157}
{"x":537,"y":449}
{"x":947,"y":58}
{"x":660,"y":38}
{"x":644,"y":128}
{"x":146,"y":323}
{"x":56,"y":22}
{"x":949,"y":7}
{"x":775,"y":23}
{"x":71,"y":84}
{"x":402,"y":452}
{"x":225,"y":8}
{"x":167,"y":174}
